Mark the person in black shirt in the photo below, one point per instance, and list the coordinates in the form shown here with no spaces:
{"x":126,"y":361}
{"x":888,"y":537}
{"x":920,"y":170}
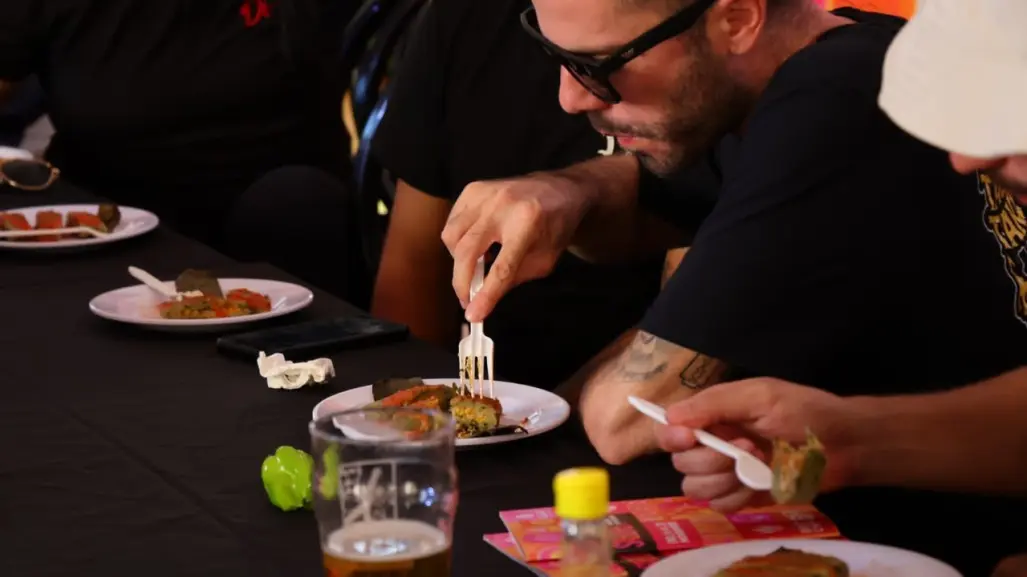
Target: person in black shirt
{"x":828,"y":258}
{"x":182,"y":106}
{"x":475,"y":99}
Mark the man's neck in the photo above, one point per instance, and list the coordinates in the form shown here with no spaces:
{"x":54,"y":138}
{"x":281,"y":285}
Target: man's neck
{"x":786,"y":38}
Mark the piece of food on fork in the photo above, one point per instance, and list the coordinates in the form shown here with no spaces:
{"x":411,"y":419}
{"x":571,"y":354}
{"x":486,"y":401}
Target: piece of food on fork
{"x":475,"y":416}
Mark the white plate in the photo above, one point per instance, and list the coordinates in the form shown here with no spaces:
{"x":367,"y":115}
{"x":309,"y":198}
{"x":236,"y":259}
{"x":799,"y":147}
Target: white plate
{"x":545,"y":410}
{"x":134,"y":222}
{"x":863,"y":559}
{"x":138,"y":305}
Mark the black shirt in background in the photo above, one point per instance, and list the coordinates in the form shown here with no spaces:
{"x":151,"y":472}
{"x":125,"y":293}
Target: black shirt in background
{"x":179,"y":105}
{"x":845,"y":254}
{"x":477,"y":99}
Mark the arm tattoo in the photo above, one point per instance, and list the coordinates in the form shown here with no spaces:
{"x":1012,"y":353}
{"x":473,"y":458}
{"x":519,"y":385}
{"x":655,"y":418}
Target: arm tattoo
{"x":701,"y":372}
{"x":646,"y":358}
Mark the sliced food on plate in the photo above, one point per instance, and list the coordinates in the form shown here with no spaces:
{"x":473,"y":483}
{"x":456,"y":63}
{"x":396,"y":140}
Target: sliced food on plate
{"x":200,"y":297}
{"x":51,"y":225}
{"x":197,"y":300}
{"x":515,"y":412}
{"x":475,"y":415}
{"x":69,"y":226}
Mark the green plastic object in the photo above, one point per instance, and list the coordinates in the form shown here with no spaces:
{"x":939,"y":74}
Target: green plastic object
{"x":328,"y":485}
{"x":287,"y":477}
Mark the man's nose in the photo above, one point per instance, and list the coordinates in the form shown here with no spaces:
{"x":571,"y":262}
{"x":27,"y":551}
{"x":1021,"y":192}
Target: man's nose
{"x":967,"y":164}
{"x":575,"y":98}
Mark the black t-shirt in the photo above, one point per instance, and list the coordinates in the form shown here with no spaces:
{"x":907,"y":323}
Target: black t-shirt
{"x":179,"y":105}
{"x":477,"y":99}
{"x":845,"y":254}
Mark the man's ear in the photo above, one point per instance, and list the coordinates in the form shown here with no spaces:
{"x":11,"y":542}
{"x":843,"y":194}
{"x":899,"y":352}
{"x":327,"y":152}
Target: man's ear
{"x":736,"y":24}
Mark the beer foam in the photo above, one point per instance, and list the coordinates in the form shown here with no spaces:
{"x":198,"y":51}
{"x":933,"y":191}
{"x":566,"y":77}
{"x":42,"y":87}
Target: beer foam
{"x":403,"y":539}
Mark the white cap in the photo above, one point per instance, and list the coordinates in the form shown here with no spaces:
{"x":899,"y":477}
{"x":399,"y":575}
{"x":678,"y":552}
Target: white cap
{"x":956,"y":76}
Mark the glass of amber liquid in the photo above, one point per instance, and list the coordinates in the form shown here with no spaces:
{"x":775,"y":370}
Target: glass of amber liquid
{"x":385,"y":491}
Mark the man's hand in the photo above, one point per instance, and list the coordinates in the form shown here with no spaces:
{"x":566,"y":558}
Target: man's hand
{"x":750,"y":414}
{"x":534,"y":218}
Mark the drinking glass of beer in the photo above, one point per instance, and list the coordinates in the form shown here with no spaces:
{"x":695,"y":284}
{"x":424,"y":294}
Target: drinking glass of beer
{"x":385,"y":491}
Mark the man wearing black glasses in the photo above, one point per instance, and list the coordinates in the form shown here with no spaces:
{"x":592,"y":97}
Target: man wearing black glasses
{"x":828,"y":258}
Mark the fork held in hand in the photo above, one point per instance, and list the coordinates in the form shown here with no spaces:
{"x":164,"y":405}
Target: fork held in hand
{"x":475,"y":352}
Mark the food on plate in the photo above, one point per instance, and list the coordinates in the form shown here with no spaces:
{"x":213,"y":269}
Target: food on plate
{"x":287,"y":476}
{"x":105,"y":219}
{"x":797,"y":470}
{"x":110,"y":215}
{"x":200,"y":297}
{"x":86,"y":219}
{"x":237,"y":303}
{"x":48,"y":220}
{"x":475,"y":415}
{"x":198,"y":280}
{"x":786,"y":562}
{"x":14,"y":221}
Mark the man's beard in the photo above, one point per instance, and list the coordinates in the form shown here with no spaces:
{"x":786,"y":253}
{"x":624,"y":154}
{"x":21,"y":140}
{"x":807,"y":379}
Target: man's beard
{"x":705,"y":105}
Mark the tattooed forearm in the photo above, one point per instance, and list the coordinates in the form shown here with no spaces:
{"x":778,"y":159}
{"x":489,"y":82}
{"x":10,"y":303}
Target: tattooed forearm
{"x":701,"y":372}
{"x":646,"y":358}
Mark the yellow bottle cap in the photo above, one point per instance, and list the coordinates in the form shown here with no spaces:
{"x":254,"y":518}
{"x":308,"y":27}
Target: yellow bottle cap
{"x":582,"y":493}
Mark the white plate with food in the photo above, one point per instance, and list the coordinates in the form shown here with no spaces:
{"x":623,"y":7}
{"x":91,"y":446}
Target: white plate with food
{"x":73,"y":226}
{"x":523,"y":411}
{"x":231,"y":301}
{"x":842,"y":558}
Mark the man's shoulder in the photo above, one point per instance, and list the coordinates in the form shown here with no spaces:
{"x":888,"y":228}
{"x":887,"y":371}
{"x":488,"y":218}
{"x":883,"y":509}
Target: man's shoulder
{"x":849,"y":57}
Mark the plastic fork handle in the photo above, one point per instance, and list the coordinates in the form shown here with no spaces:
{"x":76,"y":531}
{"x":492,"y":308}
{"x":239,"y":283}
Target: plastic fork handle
{"x":719,"y":445}
{"x":479,"y":277}
{"x":150,"y":281}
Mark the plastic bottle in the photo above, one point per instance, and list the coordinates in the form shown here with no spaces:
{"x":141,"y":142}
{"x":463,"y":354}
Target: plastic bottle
{"x":582,"y":503}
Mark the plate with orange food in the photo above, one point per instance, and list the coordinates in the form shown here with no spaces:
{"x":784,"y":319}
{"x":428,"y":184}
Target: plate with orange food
{"x":72,"y":226}
{"x":197,"y":301}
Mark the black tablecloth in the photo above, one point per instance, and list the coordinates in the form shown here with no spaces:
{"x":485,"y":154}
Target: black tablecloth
{"x":128,"y":451}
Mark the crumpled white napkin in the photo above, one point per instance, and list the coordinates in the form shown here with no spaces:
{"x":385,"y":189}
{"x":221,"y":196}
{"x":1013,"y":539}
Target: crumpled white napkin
{"x":282,"y":374}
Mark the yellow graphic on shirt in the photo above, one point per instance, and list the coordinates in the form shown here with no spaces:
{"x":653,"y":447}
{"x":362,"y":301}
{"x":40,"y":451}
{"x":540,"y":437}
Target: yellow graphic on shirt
{"x":1005,"y":219}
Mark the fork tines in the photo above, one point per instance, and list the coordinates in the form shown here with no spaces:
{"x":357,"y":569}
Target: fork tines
{"x":473,"y":374}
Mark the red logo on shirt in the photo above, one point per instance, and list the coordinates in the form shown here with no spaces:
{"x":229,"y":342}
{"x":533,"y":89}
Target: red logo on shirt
{"x":254,"y":11}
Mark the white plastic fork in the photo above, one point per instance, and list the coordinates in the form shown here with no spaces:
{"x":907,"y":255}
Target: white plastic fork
{"x":476,"y":350}
{"x":752,"y":472}
{"x":53,"y":232}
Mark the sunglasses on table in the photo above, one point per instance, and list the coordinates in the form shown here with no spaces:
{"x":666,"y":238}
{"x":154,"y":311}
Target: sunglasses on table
{"x":594,"y":73}
{"x":27,"y":174}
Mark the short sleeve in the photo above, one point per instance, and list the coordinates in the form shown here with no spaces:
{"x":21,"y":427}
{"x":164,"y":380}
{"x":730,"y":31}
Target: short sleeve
{"x":783,"y":270}
{"x":20,"y":37}
{"x":407,"y":143}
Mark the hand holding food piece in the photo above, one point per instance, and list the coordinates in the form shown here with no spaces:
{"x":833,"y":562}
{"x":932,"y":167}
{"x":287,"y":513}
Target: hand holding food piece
{"x":750,"y":414}
{"x":288,"y":477}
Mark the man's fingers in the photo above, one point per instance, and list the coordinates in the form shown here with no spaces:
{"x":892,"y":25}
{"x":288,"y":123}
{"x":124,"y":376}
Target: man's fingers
{"x":728,"y":403}
{"x":501,"y":277}
{"x":709,"y":487}
{"x":472,"y":246}
{"x":675,"y":439}
{"x":702,"y":461}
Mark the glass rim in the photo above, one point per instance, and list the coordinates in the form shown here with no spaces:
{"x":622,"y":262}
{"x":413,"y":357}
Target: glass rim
{"x":445,"y":432}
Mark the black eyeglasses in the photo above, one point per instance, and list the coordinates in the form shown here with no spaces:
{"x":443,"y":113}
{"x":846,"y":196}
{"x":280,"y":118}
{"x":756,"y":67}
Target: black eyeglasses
{"x":594,"y":73}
